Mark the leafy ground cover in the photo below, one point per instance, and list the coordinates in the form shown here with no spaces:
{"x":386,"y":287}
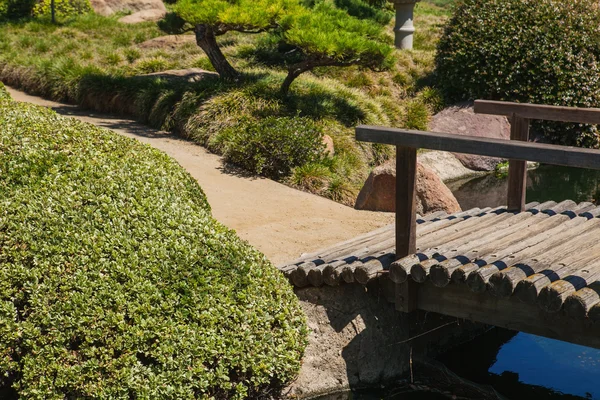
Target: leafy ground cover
{"x":116,"y":282}
{"x":101,"y":64}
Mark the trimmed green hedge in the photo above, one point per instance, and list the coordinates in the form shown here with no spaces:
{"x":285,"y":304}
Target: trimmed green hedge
{"x":272,"y":146}
{"x":536,"y":51}
{"x":116,"y":282}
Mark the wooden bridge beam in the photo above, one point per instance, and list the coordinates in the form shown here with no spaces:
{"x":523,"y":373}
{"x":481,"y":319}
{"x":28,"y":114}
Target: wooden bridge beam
{"x":510,"y":313}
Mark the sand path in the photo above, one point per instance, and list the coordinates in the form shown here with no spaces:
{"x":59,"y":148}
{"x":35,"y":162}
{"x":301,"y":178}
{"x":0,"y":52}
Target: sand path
{"x":280,"y":221}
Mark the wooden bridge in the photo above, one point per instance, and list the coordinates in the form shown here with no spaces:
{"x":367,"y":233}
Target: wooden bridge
{"x":528,"y":267}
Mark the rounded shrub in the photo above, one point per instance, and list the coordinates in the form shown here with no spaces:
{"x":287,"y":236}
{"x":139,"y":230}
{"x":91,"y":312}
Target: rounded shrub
{"x":535,"y":51}
{"x":272,"y":146}
{"x":116,"y":282}
{"x":15,"y":9}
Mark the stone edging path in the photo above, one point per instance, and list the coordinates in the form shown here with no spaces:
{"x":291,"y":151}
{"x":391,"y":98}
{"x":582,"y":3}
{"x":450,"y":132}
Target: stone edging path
{"x":280,"y":221}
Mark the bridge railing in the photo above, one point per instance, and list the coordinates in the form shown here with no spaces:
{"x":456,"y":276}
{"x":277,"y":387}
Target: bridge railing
{"x":518,"y":150}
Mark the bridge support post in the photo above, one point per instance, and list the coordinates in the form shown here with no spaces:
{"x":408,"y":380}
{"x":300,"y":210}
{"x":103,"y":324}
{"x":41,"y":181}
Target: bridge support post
{"x":406,"y":221}
{"x":517,"y":169}
{"x":406,"y":209}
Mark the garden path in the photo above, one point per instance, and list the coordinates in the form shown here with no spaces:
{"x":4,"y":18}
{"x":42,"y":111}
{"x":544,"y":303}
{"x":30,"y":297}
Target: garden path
{"x":280,"y":221}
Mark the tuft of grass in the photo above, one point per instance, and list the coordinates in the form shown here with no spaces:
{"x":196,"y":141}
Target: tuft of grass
{"x":150,"y":65}
{"x":313,"y":177}
{"x":417,"y":115}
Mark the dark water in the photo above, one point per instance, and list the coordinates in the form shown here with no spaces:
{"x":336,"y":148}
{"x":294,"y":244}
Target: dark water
{"x":528,"y":366}
{"x":543,"y":184}
{"x":519,"y":366}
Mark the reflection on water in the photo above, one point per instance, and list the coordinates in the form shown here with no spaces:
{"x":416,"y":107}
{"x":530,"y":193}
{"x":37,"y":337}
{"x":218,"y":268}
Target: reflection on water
{"x":561,"y":366}
{"x":528,"y":366}
{"x":544,"y":183}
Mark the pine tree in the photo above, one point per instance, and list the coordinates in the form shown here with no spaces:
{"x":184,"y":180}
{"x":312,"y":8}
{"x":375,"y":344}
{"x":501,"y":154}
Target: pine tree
{"x":212,"y":18}
{"x":327,"y":36}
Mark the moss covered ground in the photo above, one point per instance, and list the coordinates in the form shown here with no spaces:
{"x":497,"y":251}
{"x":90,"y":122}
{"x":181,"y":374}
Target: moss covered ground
{"x":101,"y":64}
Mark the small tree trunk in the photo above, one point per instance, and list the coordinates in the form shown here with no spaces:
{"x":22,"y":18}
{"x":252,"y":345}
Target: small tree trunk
{"x":205,"y":38}
{"x":53,"y":11}
{"x":294,"y":71}
{"x":287,"y":82}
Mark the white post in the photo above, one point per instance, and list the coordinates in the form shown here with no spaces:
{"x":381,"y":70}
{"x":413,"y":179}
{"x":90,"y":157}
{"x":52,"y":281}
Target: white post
{"x":404,"y":28}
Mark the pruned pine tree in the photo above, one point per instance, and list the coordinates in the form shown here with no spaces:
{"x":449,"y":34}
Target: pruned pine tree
{"x":327,"y":36}
{"x":212,"y":18}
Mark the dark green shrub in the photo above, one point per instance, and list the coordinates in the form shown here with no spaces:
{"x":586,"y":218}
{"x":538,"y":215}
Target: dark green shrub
{"x":363,"y":9}
{"x":115,"y":281}
{"x":15,"y":9}
{"x":272,"y":146}
{"x":537,"y":51}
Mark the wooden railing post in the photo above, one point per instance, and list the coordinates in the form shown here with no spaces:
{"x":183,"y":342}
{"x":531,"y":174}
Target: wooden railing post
{"x":406,"y":221}
{"x":517,"y":169}
{"x":406,"y":217}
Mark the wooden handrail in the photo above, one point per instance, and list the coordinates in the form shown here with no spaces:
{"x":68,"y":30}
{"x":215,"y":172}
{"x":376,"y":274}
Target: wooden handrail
{"x":517,"y":150}
{"x":526,"y":151}
{"x":537,"y":111}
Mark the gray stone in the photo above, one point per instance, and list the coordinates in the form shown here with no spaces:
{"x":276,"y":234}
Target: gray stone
{"x":143,"y":16}
{"x":189,"y":74}
{"x":461,"y":120}
{"x":446,"y":165}
{"x":109,"y":7}
{"x":357,"y":339}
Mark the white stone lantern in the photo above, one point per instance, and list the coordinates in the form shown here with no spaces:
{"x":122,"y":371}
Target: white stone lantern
{"x":404,"y":28}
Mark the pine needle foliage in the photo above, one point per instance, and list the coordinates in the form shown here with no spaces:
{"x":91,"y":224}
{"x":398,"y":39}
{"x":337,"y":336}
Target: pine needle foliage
{"x":328,"y":36}
{"x":234,"y":15}
{"x":212,"y":18}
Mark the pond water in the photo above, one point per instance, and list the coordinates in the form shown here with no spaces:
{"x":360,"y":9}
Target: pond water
{"x":518,"y":365}
{"x":543,"y":184}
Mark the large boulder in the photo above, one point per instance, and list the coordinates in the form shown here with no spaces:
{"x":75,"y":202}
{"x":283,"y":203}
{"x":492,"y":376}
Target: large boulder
{"x":462,"y":120}
{"x":109,"y":7}
{"x":143,"y":16}
{"x":446,"y":165}
{"x":379,"y":191}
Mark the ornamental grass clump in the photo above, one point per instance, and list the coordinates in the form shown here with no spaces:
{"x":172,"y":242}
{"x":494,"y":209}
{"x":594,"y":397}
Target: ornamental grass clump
{"x":116,"y":282}
{"x":535,"y":51}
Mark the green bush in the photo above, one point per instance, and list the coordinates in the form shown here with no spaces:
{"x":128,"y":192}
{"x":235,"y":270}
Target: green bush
{"x":116,"y":282}
{"x":536,"y":51}
{"x":63,"y":8}
{"x":364,"y":10}
{"x":15,"y":9}
{"x":272,"y":146}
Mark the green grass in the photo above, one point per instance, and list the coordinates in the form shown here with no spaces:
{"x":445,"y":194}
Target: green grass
{"x":116,"y":282}
{"x":98,"y":63}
